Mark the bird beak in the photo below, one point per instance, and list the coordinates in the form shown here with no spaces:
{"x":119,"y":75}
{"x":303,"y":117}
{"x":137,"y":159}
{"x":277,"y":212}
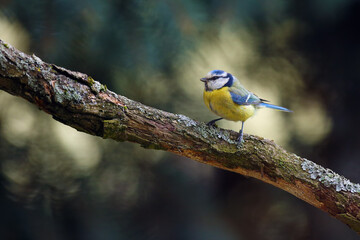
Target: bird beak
{"x":203,"y":79}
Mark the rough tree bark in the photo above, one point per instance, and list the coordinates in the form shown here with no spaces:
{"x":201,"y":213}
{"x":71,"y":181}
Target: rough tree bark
{"x":79,"y":101}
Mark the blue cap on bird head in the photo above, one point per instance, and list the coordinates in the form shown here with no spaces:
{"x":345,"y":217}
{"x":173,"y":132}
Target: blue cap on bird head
{"x":218,"y":73}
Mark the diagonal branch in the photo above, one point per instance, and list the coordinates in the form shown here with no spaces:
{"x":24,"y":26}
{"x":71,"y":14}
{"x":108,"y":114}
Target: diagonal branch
{"x":79,"y":101}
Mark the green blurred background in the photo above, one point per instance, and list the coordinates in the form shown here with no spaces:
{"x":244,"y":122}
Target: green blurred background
{"x":58,"y":183}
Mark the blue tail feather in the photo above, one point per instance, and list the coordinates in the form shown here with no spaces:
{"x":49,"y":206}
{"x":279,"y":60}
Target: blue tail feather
{"x":274,"y":107}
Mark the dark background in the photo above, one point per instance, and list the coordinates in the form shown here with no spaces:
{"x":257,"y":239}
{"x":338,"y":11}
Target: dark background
{"x":61,"y":184}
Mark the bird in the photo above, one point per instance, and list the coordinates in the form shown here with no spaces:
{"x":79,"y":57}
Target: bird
{"x":225,"y":96}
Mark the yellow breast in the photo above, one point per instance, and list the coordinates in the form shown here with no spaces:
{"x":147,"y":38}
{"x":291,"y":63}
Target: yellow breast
{"x":220,"y":102}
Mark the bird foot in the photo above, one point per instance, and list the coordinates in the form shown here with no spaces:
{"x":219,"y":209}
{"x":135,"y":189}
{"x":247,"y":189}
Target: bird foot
{"x":211,"y":124}
{"x":240,"y":141}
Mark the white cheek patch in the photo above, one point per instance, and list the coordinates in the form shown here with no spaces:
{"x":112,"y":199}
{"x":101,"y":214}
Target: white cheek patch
{"x":218,"y":83}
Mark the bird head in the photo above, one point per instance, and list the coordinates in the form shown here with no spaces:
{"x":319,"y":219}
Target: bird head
{"x":217,"y":79}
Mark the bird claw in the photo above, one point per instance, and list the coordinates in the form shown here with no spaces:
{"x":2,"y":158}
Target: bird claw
{"x":240,"y":144}
{"x":211,"y":124}
{"x":240,"y":141}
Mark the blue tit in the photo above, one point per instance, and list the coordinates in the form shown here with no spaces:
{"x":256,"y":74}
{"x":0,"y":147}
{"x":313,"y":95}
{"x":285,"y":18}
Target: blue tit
{"x":226,"y":97}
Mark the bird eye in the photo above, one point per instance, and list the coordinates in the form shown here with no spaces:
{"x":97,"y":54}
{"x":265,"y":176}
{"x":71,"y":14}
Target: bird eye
{"x":213,"y":78}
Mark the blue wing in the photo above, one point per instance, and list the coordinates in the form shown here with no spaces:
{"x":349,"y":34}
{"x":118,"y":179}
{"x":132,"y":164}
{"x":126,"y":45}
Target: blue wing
{"x":244,"y":97}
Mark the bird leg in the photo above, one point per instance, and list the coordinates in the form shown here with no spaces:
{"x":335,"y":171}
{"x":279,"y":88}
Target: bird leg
{"x":212,"y":122}
{"x":240,"y":138}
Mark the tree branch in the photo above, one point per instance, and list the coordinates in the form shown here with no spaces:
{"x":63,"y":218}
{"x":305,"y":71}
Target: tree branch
{"x":77,"y":100}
